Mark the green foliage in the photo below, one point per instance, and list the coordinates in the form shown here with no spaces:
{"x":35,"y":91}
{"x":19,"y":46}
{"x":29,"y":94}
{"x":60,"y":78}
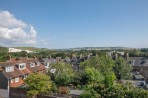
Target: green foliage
{"x":38,"y":83}
{"x":122,"y":69}
{"x":64,"y":79}
{"x":61,"y":67}
{"x":64,"y":73}
{"x":92,"y":75}
{"x":109,"y":79}
{"x":54,"y":88}
{"x":125,"y":91}
{"x":3,"y":54}
{"x":102,"y":63}
{"x":90,"y":94}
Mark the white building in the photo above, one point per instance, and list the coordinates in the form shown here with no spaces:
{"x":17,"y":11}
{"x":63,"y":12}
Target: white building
{"x":18,"y":50}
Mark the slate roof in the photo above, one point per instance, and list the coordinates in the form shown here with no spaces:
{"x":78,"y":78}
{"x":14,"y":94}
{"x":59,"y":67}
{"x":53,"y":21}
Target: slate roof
{"x":138,"y":61}
{"x":74,"y":59}
{"x":138,"y":77}
{"x":47,"y":60}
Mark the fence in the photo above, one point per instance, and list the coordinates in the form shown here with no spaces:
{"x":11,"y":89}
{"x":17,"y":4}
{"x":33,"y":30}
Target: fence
{"x":21,"y":93}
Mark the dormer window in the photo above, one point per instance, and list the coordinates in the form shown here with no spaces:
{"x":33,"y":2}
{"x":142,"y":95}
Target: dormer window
{"x":17,"y":79}
{"x":22,"y":66}
{"x":32,"y":64}
{"x":9,"y":68}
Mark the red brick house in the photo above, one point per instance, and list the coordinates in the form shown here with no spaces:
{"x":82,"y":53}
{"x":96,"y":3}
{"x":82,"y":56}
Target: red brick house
{"x":14,"y":71}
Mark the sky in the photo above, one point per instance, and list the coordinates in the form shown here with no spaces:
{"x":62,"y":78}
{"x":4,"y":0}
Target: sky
{"x":58,"y":24}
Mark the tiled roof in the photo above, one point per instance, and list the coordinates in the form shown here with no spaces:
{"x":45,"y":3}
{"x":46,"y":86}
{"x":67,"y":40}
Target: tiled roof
{"x":17,"y":84}
{"x":25,"y":71}
{"x":17,"y":72}
{"x":41,"y":67}
{"x":13,"y":74}
{"x":3,"y":64}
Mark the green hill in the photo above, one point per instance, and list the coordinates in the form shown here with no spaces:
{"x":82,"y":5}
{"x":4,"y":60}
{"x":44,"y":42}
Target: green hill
{"x":101,"y":48}
{"x":3,"y":49}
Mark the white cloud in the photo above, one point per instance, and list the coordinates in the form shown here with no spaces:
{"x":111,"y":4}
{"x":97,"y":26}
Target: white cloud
{"x":14,"y":31}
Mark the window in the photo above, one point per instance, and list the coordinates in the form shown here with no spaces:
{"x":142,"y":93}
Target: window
{"x":24,"y":76}
{"x":32,"y":64}
{"x":12,"y":80}
{"x":133,"y":62}
{"x":22,"y":66}
{"x":9,"y":68}
{"x":17,"y":79}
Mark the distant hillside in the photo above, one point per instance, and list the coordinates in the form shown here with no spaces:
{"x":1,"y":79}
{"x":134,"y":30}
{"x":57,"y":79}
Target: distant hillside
{"x":3,"y":49}
{"x":100,"y":48}
{"x":34,"y":49}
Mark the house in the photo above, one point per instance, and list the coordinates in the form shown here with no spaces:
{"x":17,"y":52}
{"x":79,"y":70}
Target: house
{"x":14,"y":71}
{"x":139,"y":64}
{"x":67,"y":59}
{"x":46,"y":62}
{"x":13,"y":50}
{"x":76,"y":62}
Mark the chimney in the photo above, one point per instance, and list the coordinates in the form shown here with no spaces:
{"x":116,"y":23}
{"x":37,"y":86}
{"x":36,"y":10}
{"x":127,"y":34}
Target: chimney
{"x":27,"y":56}
{"x":34,"y":57}
{"x":126,"y":55}
{"x":9,"y":58}
{"x":116,"y":56}
{"x":50,"y":57}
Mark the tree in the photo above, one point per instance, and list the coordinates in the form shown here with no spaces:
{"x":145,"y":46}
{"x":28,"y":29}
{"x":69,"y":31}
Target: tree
{"x":122,"y":69}
{"x":63,"y":74}
{"x":109,"y":79}
{"x":61,"y":67}
{"x":92,"y":76}
{"x":38,"y":83}
{"x":102,"y":63}
{"x":64,"y":79}
{"x":90,"y":94}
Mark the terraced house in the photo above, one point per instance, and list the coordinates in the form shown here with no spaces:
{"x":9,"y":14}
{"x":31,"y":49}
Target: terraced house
{"x":14,"y":71}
